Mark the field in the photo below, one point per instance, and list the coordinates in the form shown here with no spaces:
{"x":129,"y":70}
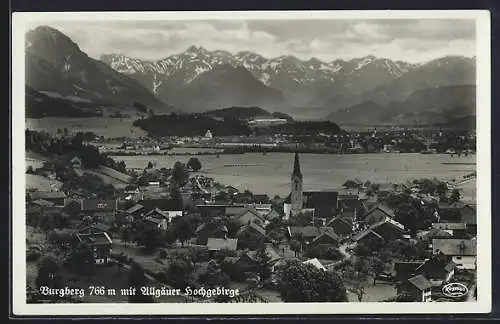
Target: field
{"x":41,"y":183}
{"x":102,"y":126}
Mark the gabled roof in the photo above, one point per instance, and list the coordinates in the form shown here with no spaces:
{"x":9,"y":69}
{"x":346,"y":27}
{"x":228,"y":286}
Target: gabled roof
{"x":420,"y":282}
{"x":42,"y":203}
{"x":308,"y":231}
{"x":364,"y":233}
{"x":331,"y":235}
{"x":271,"y":252}
{"x":340,"y":219}
{"x":436,"y":264}
{"x":315,"y":262}
{"x":436,"y":233}
{"x":157,"y":211}
{"x":35,"y":195}
{"x":222,"y":244}
{"x":385,"y":209}
{"x":99,"y":227}
{"x":134,"y":209}
{"x":204,"y":225}
{"x":94,"y":238}
{"x":390,"y":221}
{"x":253,"y":226}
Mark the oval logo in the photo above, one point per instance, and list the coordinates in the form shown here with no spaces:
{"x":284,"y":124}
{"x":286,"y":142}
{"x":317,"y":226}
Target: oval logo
{"x":455,"y":289}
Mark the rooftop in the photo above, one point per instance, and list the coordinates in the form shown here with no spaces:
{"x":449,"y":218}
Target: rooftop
{"x":216,"y":244}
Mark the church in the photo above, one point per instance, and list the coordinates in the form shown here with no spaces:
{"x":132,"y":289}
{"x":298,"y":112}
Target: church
{"x":323,"y":204}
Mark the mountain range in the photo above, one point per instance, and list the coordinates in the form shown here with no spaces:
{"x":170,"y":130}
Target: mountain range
{"x":430,"y":106}
{"x":199,"y":80}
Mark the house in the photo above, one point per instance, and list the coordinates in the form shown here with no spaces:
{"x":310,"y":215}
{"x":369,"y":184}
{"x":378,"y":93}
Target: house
{"x":323,"y":203}
{"x":213,"y":210}
{"x":162,"y":204}
{"x":248,"y":261}
{"x":329,"y":239}
{"x":416,"y":288}
{"x":405,"y":269}
{"x":42,"y":203}
{"x":438,"y":270}
{"x":100,"y":210}
{"x":249,"y":215}
{"x":156,"y":222}
{"x":252,"y":231}
{"x":369,"y":238}
{"x":94,"y":228}
{"x":388,"y":229}
{"x":378,"y":213}
{"x":58,"y":198}
{"x":316,"y":263}
{"x":262,"y":209}
{"x":213,"y":229}
{"x":341,"y":225}
{"x":99,"y":243}
{"x":135,"y":211}
{"x":462,"y":251}
{"x":307,"y":233}
{"x":76,"y":162}
{"x":433,"y":233}
{"x":261,"y":199}
{"x":451,"y":228}
{"x":217,"y":244}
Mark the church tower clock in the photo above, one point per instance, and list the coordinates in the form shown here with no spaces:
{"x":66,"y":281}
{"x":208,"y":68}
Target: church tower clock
{"x":296,"y":195}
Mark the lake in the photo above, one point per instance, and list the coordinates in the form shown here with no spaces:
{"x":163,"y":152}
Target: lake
{"x":270,"y":173}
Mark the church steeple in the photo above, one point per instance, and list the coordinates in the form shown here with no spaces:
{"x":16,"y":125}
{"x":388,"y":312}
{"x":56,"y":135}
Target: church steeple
{"x":296,"y":194}
{"x":296,"y":166}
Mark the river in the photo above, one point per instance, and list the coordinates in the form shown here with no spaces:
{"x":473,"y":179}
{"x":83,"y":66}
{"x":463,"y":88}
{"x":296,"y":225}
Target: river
{"x":270,"y":173}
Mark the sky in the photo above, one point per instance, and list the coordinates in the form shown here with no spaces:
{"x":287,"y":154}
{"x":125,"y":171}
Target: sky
{"x":410,"y":40}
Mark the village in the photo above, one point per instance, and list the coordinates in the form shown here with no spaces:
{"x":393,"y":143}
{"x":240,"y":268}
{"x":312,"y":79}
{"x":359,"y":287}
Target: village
{"x":173,"y":228}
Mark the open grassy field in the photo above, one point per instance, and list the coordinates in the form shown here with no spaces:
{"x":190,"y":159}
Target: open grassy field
{"x":41,"y":183}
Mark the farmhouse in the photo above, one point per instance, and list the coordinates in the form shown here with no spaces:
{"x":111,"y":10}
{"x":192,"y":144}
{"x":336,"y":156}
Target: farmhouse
{"x":99,"y":243}
{"x":58,"y":198}
{"x":462,"y":251}
{"x":416,"y":288}
{"x":101,"y":210}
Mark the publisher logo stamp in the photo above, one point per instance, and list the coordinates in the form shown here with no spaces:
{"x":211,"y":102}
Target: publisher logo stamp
{"x":455,"y":289}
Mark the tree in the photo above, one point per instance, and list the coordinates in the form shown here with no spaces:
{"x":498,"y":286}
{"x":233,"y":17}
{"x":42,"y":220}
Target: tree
{"x":137,"y":279}
{"x":150,"y":165}
{"x":194,"y":164}
{"x":360,"y":290}
{"x":184,"y":229}
{"x":300,"y":282}
{"x":30,"y":170}
{"x":126,"y":235}
{"x":179,"y":174}
{"x":407,"y":216}
{"x":82,"y":260}
{"x":455,"y":196}
{"x":262,"y":260}
{"x":179,"y":273}
{"x":377,"y":266}
{"x":295,"y":246}
{"x":213,"y":277}
{"x":49,"y":273}
{"x":151,"y":239}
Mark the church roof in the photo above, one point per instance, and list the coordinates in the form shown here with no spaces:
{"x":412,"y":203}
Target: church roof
{"x":296,"y":166}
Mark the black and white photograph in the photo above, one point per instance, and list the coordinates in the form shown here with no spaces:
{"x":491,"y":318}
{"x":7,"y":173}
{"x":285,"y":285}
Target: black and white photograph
{"x":307,"y":162}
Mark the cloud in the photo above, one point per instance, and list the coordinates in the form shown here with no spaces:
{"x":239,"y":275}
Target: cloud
{"x":414,"y":40}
